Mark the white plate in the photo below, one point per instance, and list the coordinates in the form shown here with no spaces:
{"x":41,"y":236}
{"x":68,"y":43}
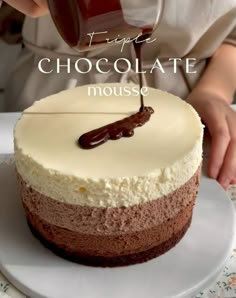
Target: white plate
{"x":182,"y":272}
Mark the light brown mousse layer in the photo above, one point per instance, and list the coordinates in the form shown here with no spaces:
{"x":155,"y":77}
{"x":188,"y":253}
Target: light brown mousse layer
{"x":110,"y":236}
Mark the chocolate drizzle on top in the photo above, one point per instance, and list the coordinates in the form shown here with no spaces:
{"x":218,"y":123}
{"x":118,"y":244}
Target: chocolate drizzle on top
{"x":114,"y":131}
{"x":138,"y":51}
{"x":125,"y":127}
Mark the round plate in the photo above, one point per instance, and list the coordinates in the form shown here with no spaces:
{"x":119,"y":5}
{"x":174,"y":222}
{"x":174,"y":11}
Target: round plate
{"x":181,"y":272}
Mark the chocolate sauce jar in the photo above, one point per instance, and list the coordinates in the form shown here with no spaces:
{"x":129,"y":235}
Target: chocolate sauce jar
{"x":89,"y":24}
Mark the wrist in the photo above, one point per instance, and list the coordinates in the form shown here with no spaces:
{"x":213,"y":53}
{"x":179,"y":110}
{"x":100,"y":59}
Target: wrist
{"x":209,"y":94}
{"x":219,"y":77}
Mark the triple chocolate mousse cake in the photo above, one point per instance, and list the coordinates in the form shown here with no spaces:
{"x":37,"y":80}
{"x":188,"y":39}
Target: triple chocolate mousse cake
{"x":122,"y":202}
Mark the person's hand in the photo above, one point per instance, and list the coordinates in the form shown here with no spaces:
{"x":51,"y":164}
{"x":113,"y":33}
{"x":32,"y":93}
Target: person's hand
{"x":32,"y":8}
{"x":220,"y":120}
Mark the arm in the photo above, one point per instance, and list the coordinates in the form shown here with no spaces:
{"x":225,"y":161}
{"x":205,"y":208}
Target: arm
{"x":211,"y":98}
{"x":220,"y":75}
{"x":32,"y":8}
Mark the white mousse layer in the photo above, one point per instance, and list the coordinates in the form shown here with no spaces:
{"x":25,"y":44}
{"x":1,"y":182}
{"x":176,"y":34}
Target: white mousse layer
{"x":161,"y":156}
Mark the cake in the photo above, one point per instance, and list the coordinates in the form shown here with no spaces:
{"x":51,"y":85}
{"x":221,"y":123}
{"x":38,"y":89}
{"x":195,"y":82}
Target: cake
{"x":124,"y":202}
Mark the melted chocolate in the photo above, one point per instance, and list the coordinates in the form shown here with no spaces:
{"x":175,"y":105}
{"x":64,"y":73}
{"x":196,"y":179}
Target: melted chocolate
{"x":114,"y":131}
{"x":138,"y":52}
{"x":73,"y":20}
{"x":138,"y":48}
{"x":125,"y":127}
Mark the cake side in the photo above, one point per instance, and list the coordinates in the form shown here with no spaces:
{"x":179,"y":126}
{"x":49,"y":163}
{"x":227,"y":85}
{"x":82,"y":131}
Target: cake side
{"x":111,"y":236}
{"x":111,"y":220}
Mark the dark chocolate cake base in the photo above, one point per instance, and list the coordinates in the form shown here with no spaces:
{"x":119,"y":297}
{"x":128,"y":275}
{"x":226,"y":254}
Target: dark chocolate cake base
{"x":101,"y":261}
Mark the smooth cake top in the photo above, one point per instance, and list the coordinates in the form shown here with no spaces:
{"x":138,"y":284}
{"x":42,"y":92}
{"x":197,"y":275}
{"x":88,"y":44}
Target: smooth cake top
{"x":49,"y":130}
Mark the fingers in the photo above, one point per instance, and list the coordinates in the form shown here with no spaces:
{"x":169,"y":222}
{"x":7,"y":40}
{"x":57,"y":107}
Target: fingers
{"x":228,"y":170}
{"x":218,"y":128}
{"x":29,"y":7}
{"x":227,"y":174}
{"x":219,"y":144}
{"x":220,"y":120}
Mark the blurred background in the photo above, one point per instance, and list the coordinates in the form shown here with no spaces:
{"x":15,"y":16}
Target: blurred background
{"x":11,"y":22}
